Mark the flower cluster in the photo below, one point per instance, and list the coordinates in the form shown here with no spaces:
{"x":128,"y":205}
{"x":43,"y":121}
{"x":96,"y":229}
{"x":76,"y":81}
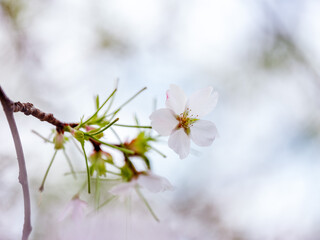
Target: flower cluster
{"x":181,"y":120}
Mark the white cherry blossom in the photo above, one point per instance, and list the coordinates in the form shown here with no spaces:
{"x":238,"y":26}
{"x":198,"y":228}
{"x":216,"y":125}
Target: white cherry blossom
{"x":181,"y":119}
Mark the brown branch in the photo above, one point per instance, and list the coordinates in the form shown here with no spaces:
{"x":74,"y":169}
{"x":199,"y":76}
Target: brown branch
{"x":23,"y":177}
{"x":29,"y":109}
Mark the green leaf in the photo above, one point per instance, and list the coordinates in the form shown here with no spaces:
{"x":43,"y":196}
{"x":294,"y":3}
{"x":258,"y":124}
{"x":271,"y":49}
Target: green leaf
{"x":132,"y":126}
{"x":96,"y":112}
{"x":97,"y":102}
{"x":126,"y":102}
{"x":113,"y":146}
{"x":105,"y":128}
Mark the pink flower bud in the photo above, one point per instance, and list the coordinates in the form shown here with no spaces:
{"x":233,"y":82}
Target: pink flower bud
{"x":59,"y":141}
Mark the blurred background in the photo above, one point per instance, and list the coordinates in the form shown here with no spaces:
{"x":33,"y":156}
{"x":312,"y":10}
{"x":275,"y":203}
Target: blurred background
{"x":259,"y":179}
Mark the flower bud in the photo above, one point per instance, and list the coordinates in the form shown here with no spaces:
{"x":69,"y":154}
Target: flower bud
{"x":58,"y":141}
{"x":93,"y":130}
{"x":79,"y":135}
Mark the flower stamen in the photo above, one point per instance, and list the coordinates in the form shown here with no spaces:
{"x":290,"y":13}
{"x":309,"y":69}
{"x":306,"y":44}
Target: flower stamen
{"x":186,"y":120}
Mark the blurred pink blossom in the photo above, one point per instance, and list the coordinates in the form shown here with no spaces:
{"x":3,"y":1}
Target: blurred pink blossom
{"x":150,"y":181}
{"x":75,"y":209}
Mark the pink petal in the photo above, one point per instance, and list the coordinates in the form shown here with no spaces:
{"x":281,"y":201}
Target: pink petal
{"x":154,"y":183}
{"x":176,"y":99}
{"x":203,"y":132}
{"x":79,"y":207}
{"x":123,"y":189}
{"x":163,"y":121}
{"x":179,"y":141}
{"x":75,"y":208}
{"x":202,"y":102}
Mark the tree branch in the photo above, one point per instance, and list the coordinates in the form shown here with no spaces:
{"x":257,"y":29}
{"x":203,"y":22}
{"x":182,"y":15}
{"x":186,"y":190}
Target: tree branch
{"x":29,"y":109}
{"x":7,"y":105}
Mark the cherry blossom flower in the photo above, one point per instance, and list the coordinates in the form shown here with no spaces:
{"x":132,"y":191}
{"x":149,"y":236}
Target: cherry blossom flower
{"x":181,"y":119}
{"x":75,"y":208}
{"x":150,"y":181}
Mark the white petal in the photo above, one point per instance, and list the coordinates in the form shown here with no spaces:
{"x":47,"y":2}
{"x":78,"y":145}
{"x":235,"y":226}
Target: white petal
{"x":179,"y":141}
{"x":123,"y":189}
{"x":176,"y":99}
{"x":203,"y":132}
{"x":163,"y":121}
{"x":154,"y":183}
{"x":202,"y":102}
